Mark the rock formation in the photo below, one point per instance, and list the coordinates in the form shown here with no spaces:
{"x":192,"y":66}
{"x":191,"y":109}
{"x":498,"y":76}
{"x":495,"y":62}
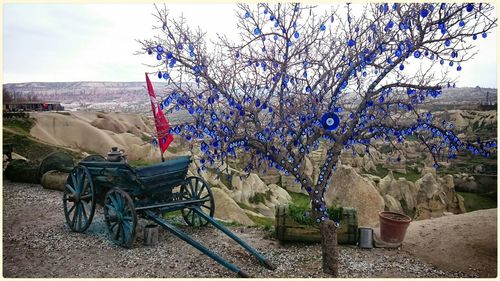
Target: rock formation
{"x":348,"y":189}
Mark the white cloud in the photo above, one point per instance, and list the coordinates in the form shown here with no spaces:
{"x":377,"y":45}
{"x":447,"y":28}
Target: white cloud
{"x":72,"y":42}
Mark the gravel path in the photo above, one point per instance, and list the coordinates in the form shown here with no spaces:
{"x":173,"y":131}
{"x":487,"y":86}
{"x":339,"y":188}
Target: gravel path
{"x":37,"y":243}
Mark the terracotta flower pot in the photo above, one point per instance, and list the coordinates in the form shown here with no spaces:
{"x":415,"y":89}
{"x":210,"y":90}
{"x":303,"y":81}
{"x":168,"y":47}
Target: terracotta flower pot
{"x":393,"y":226}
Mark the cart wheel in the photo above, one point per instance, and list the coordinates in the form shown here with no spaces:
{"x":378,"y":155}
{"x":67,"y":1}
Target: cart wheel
{"x":79,"y":199}
{"x":197,"y":188}
{"x":120,"y":217}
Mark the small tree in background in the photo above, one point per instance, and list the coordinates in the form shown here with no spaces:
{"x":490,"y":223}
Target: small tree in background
{"x":297,"y":78}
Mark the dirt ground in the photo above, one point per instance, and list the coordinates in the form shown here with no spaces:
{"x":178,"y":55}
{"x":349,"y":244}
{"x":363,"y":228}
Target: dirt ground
{"x":37,"y":243}
{"x":466,"y":242}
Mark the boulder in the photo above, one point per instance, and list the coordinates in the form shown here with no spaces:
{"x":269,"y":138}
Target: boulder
{"x":433,"y":208}
{"x":392,"y":204}
{"x":405,"y":192}
{"x":253,"y":192}
{"x":289,"y":183}
{"x":54,"y":180}
{"x":385,"y":183}
{"x":427,"y":187}
{"x":349,"y":189}
{"x":270,"y":179}
{"x":368,"y":164}
{"x":426,"y":170}
{"x":226,"y":209}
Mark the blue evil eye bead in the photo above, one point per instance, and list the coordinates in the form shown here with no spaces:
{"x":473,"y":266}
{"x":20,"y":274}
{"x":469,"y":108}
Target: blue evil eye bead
{"x":484,"y":34}
{"x":169,"y":55}
{"x":296,"y":35}
{"x":441,"y":61}
{"x":474,"y":37}
{"x":330,"y":121}
{"x":447,"y":43}
{"x":459,"y":68}
{"x":417,"y":54}
{"x":461,"y":23}
{"x":158,"y":57}
{"x":390,"y":24}
{"x":191,"y":47}
{"x":351,"y":42}
{"x":159,"y":75}
{"x":247,"y":14}
{"x":271,"y":17}
{"x":166,"y":76}
{"x":150,"y":51}
{"x":401,"y":67}
{"x":322,"y":27}
{"x":159,"y":48}
{"x":180,"y":47}
{"x":470,"y":7}
{"x":424,"y":13}
{"x":265,"y":11}
{"x":256,"y":31}
{"x":435,"y":166}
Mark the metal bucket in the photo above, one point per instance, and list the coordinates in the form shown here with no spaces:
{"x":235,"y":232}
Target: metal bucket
{"x":151,"y":235}
{"x":365,"y":238}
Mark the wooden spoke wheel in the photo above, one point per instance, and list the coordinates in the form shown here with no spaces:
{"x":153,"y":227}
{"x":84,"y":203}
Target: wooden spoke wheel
{"x":79,"y":199}
{"x":196,"y":188}
{"x":120,"y":217}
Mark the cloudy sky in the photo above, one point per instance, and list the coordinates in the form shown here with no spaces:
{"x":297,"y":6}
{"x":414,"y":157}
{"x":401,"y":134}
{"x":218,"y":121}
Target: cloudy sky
{"x":96,"y":42}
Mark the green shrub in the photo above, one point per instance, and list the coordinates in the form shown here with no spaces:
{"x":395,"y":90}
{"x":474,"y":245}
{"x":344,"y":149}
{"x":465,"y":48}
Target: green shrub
{"x":21,"y":125}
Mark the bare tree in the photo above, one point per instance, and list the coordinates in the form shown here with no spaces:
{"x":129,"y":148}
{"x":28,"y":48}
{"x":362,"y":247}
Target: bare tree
{"x":297,"y":78}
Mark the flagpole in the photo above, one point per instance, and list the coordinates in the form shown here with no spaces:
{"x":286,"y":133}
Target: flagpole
{"x":161,"y":123}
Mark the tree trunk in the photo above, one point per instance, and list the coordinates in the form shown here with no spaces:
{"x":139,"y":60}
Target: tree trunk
{"x":329,"y":247}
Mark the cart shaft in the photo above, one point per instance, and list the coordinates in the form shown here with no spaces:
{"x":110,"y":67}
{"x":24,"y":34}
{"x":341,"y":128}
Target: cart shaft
{"x":194,"y":243}
{"x":247,"y":247}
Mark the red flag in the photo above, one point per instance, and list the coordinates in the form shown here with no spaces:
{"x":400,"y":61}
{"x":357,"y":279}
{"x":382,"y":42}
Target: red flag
{"x":164,"y":138}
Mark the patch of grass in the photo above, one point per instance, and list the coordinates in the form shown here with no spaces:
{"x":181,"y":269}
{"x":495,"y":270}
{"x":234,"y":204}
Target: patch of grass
{"x":411,"y":174}
{"x":32,"y":149}
{"x":246,"y":207}
{"x":146,"y":138}
{"x":266,"y":223}
{"x":226,"y":180}
{"x":300,"y":200}
{"x":260,"y":197}
{"x":474,"y":202}
{"x":380,"y":171}
{"x":301,"y":214}
{"x":172,"y":214}
{"x":21,"y":125}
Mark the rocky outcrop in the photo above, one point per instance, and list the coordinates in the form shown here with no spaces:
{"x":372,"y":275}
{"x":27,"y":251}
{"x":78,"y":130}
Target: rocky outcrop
{"x":227,"y":210}
{"x":290,"y":184}
{"x":253,"y":192}
{"x":392,"y":204}
{"x":348,"y":189}
{"x":430,"y":196}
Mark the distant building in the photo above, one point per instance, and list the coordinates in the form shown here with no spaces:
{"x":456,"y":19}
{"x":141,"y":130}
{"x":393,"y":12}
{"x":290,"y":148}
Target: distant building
{"x":21,"y":106}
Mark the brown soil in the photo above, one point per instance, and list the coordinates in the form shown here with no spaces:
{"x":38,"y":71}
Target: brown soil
{"x":466,"y":242}
{"x":37,"y":243}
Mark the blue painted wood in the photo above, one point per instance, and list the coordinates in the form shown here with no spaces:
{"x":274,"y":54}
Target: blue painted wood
{"x":233,"y":236}
{"x":194,"y":243}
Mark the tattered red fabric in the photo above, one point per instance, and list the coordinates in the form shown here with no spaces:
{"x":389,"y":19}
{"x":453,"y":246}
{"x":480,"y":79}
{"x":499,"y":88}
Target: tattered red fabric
{"x":164,"y":138}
